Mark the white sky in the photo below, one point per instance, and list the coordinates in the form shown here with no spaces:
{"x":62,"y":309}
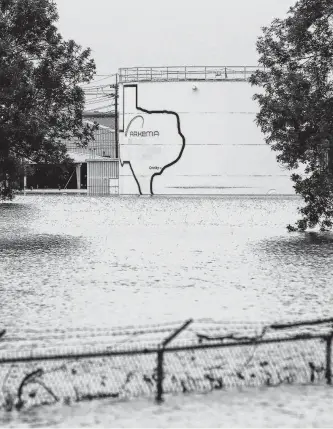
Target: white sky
{"x":129,"y":33}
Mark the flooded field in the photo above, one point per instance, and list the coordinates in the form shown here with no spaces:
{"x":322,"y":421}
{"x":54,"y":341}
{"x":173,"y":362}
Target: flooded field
{"x":74,"y":261}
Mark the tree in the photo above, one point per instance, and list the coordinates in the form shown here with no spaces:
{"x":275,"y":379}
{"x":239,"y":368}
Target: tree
{"x":296,"y":104}
{"x":41,"y":100}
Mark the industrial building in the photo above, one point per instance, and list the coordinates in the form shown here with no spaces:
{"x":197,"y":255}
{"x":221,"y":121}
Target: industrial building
{"x":181,"y":131}
{"x":100,"y":160}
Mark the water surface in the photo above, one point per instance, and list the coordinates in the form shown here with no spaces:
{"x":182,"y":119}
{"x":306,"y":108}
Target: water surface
{"x":91,"y":262}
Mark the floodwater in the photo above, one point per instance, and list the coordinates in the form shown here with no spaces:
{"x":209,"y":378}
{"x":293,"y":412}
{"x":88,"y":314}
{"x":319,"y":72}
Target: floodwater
{"x":75,"y":261}
{"x":283,"y":407}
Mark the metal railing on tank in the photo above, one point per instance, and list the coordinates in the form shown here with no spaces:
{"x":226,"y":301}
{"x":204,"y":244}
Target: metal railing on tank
{"x":186,"y":73}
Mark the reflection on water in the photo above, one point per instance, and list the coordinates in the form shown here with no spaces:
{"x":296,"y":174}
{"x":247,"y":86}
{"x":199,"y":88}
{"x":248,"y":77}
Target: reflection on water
{"x":319,"y":244}
{"x":79,"y":261}
{"x":39,"y":244}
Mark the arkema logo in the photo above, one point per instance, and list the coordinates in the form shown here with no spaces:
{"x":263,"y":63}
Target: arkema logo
{"x":143,"y":133}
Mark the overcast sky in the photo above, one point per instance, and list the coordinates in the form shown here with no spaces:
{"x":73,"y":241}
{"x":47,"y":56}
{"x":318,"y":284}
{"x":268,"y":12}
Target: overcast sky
{"x":125,"y":33}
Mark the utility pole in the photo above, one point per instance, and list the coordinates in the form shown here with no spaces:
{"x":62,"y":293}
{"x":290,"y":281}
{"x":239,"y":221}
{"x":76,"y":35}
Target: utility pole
{"x":116,"y":122}
{"x":116,"y":118}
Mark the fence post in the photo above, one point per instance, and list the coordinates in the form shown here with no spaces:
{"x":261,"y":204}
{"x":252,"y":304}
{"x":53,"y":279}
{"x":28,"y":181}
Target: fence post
{"x":160,"y":375}
{"x":160,"y":359}
{"x":329,"y":359}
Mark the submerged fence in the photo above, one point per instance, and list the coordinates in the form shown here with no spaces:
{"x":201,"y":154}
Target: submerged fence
{"x":39,"y":368}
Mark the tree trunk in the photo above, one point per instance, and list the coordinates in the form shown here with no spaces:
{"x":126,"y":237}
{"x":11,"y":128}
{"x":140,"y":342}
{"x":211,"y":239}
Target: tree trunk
{"x":330,"y":157}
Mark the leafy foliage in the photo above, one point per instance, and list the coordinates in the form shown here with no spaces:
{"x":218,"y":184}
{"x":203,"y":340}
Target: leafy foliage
{"x":41,"y":101}
{"x":296,"y":103}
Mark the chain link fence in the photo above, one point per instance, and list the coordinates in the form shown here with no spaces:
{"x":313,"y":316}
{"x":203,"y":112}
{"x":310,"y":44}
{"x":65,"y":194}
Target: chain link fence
{"x":38,"y":368}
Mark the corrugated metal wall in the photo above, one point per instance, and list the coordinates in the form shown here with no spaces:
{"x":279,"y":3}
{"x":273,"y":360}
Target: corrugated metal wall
{"x":103,"y":145}
{"x":103,"y":177}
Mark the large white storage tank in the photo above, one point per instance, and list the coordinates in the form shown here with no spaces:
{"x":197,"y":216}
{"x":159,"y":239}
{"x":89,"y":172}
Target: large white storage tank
{"x":192,"y":131}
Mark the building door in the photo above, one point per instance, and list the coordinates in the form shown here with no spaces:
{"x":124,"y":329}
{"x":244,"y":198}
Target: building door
{"x":114,"y":186}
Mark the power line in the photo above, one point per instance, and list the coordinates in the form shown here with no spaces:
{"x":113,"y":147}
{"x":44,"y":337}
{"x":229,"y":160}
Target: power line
{"x":99,"y":94}
{"x":99,"y":80}
{"x":96,"y":100}
{"x":99,"y":100}
{"x":96,"y":88}
{"x":106,"y":75}
{"x":99,"y":107}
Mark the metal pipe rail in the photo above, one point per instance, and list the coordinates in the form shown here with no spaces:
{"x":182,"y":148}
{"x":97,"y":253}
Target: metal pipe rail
{"x":186,"y":73}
